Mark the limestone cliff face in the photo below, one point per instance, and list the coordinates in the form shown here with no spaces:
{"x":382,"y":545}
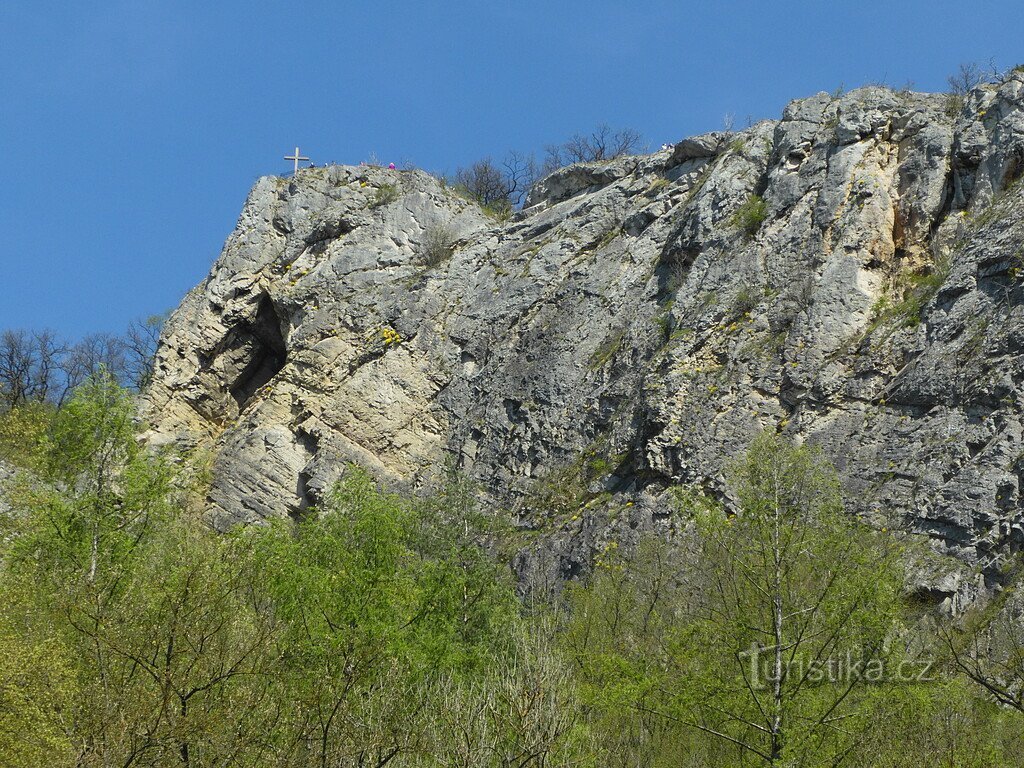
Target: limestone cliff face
{"x":850,"y":275}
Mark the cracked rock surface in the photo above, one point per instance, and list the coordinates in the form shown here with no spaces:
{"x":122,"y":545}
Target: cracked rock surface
{"x":850,"y":275}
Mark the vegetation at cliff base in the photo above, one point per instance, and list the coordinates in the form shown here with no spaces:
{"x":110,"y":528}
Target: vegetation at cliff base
{"x":383,"y":630}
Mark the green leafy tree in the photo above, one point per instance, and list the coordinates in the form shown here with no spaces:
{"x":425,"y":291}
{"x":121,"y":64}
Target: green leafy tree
{"x":623,"y":635}
{"x":182,"y":655}
{"x":37,"y":690}
{"x":156,"y":610}
{"x":22,"y":434}
{"x":944,"y":723}
{"x":523,"y":710}
{"x":768,"y":639}
{"x":375,"y":604}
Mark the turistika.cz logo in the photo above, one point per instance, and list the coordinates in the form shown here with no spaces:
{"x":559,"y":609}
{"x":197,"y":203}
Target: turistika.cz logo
{"x":763,"y":669}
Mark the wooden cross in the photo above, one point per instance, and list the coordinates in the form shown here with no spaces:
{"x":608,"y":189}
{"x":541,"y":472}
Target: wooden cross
{"x":296,"y":157}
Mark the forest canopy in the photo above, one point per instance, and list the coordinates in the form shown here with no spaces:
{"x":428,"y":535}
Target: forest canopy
{"x":386,"y":629}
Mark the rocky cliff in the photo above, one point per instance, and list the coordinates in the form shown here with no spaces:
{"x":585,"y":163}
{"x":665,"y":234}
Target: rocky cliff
{"x":850,"y":275}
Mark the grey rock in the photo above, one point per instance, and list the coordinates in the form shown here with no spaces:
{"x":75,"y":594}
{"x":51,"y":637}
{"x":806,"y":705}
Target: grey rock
{"x":6,"y":474}
{"x":578,"y":177}
{"x":624,"y":324}
{"x":705,"y":145}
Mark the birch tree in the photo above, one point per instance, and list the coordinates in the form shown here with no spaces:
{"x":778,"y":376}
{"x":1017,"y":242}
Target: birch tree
{"x":770,"y":634}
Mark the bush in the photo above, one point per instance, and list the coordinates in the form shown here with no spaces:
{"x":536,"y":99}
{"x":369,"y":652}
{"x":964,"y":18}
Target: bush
{"x":749,"y":216}
{"x":917,"y":290}
{"x":745,"y":301}
{"x":500,"y":210}
{"x":386,"y":193}
{"x":484,"y":182}
{"x":498,"y":190}
{"x":438,"y":244}
{"x":967,"y":78}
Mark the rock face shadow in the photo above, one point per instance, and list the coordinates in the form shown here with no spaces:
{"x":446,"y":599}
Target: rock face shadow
{"x":266,"y":352}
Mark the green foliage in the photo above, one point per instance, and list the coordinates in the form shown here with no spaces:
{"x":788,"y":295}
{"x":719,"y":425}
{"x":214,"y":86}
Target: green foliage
{"x":566,"y":488}
{"x":524,"y":710}
{"x":745,"y":301}
{"x":987,"y":647}
{"x":663,"y":322}
{"x":378,"y":595}
{"x":385,"y":194}
{"x":953,"y":105}
{"x":151,"y":606}
{"x":501,"y":210}
{"x":102,"y":493}
{"x":606,"y":349}
{"x":731,"y":640}
{"x":23,"y":432}
{"x":917,"y":290}
{"x":561,"y":492}
{"x":749,"y":216}
{"x":380,"y":630}
{"x":135,"y":635}
{"x":408,"y":582}
{"x":945,"y":723}
{"x":37,"y":690}
{"x":765,"y":346}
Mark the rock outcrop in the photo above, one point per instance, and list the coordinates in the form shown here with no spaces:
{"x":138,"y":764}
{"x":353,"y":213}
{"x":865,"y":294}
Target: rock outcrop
{"x":6,"y":474}
{"x":850,"y":275}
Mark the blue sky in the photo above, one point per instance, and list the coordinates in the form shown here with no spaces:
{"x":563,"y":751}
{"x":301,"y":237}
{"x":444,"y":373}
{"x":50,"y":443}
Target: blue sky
{"x":131,"y":130}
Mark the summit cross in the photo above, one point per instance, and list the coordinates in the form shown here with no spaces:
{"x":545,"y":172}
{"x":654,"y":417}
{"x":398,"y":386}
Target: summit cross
{"x":296,"y":157}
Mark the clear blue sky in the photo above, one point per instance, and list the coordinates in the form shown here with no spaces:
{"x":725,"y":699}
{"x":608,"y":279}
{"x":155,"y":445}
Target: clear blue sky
{"x":131,"y":130}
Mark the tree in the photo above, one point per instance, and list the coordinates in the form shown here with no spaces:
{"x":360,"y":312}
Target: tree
{"x":157,"y":611}
{"x":943,"y":724}
{"x":23,"y":432}
{"x":603,"y":143}
{"x":39,"y":366}
{"x":620,"y":635}
{"x":497,"y":187}
{"x":37,"y":690}
{"x":141,"y":341}
{"x":182,"y":655}
{"x":29,"y":366}
{"x":799,"y":602}
{"x":373,"y":609}
{"x":86,"y":358}
{"x":522,"y":711}
{"x":966,"y":79}
{"x":484,"y":182}
{"x":769,"y":639}
{"x":989,"y":649}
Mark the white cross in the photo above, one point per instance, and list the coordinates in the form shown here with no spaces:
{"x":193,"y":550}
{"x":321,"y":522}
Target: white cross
{"x":296,"y":157}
